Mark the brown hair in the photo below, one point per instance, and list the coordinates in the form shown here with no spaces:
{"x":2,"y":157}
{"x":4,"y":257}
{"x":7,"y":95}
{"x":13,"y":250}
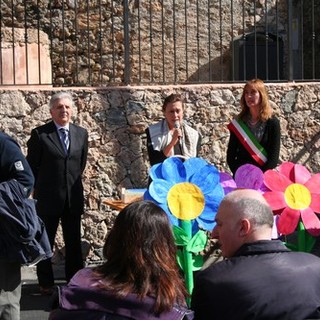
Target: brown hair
{"x":174,"y":97}
{"x":141,"y":257}
{"x":265,"y":107}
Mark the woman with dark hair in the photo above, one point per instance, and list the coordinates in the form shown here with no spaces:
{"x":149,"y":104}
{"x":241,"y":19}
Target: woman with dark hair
{"x":140,"y":278}
{"x":172,"y":136}
{"x":255,"y":133}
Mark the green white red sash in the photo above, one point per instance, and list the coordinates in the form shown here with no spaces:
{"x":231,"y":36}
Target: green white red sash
{"x":249,"y":141}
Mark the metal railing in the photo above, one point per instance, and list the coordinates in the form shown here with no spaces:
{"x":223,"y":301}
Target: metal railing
{"x":115,"y":42}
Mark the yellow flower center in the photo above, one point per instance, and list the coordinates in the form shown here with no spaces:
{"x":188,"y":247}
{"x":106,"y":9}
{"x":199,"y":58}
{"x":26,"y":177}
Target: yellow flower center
{"x":185,"y":201}
{"x":297,"y":196}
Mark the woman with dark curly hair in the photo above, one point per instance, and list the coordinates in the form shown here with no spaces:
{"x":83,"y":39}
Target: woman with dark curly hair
{"x":255,"y":132}
{"x":140,"y":278}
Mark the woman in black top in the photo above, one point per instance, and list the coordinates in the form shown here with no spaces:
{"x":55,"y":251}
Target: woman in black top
{"x":255,"y":133}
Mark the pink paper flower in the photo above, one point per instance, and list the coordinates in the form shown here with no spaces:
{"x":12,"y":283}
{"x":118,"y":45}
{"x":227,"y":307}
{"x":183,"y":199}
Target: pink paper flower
{"x":294,"y":193}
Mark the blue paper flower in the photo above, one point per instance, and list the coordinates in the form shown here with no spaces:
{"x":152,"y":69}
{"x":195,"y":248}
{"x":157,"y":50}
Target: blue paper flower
{"x":188,"y":190}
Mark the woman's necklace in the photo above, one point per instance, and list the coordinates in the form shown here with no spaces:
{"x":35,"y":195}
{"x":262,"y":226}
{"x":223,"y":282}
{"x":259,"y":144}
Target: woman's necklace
{"x":252,"y":122}
{"x":257,"y":127}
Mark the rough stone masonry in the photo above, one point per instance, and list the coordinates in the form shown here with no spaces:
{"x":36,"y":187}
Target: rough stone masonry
{"x":117,"y":117}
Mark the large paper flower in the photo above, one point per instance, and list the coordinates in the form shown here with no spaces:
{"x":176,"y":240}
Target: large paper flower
{"x":187,"y":190}
{"x":294,"y":193}
{"x":247,"y":176}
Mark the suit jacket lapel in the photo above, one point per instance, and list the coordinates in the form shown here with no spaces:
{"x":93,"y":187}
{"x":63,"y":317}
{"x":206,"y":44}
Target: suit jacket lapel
{"x":54,"y":137}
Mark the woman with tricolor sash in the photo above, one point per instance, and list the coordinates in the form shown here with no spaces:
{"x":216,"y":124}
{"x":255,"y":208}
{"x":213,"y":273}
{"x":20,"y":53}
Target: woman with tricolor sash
{"x":255,"y":132}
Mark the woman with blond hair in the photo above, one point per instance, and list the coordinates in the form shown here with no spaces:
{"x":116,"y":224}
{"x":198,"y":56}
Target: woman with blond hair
{"x":255,"y":132}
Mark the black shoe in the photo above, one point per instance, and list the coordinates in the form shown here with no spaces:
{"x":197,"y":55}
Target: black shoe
{"x":46,"y":291}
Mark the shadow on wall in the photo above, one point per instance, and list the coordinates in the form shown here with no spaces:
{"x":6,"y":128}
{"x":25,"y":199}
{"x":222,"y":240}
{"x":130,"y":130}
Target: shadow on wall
{"x":307,"y":153}
{"x":215,"y":70}
{"x":243,"y":55}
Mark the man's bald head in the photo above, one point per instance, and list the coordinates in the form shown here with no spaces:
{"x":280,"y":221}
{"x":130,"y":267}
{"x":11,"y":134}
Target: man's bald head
{"x":244,"y":216}
{"x":245,"y":194}
{"x":249,"y":204}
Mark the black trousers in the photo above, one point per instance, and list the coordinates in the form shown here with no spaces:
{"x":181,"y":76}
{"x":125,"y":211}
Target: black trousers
{"x":71,"y":229}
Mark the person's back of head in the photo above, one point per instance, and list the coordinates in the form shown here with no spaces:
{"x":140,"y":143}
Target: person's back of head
{"x":243,"y":217}
{"x":141,"y":256}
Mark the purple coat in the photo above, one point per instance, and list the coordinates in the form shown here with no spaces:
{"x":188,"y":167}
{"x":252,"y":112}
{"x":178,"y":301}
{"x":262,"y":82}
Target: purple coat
{"x":81,"y":299}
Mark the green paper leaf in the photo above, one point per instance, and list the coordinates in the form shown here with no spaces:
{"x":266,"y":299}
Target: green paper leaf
{"x":291,"y":246}
{"x":180,"y":260}
{"x":305,"y":240}
{"x":197,"y":262}
{"x":310,"y":242}
{"x":198,"y":242}
{"x":180,"y":236}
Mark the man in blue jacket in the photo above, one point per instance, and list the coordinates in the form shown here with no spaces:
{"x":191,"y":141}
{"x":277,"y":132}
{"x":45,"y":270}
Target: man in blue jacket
{"x":260,"y":278}
{"x":13,"y":165}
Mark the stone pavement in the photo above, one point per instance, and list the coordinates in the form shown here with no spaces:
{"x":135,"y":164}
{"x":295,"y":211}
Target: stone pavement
{"x":33,"y":305}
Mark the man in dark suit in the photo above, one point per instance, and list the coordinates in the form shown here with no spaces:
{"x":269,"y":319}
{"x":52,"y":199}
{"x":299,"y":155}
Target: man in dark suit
{"x":57,"y":154}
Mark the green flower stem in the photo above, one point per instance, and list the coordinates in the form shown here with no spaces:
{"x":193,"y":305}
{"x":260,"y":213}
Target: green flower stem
{"x":301,"y":237}
{"x":188,"y":272}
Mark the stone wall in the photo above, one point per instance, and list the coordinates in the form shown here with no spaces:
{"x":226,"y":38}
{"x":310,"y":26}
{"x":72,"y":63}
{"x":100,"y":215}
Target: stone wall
{"x":117,"y":117}
{"x":102,"y":42}
{"x":167,"y":41}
